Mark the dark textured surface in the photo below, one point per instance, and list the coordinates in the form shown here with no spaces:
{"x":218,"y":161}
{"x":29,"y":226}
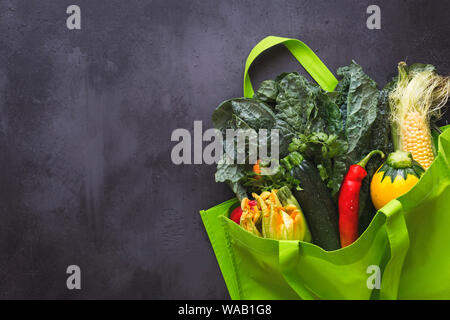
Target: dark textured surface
{"x":86,"y":118}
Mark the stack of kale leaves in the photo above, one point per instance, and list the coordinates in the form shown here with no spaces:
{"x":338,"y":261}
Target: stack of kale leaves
{"x":331,"y":129}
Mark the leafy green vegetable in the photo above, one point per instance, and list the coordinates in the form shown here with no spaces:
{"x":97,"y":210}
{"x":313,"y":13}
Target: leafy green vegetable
{"x":360,"y":102}
{"x":244,"y":114}
{"x":267,"y":92}
{"x":381,"y":139}
{"x":232,"y":174}
{"x":333,"y":114}
{"x":358,"y":98}
{"x":307,"y":115}
{"x":260,"y":183}
{"x":250,"y":113}
{"x":326,"y":151}
{"x":330,"y":129}
{"x":296,"y":104}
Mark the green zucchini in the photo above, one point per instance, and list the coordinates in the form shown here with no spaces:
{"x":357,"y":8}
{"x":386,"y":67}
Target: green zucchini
{"x":316,"y":202}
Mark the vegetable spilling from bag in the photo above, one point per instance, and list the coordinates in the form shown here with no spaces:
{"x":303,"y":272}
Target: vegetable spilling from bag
{"x":318,"y":192}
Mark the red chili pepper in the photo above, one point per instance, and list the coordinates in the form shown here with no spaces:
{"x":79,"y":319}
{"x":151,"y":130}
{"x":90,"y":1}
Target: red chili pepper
{"x":349,"y":200}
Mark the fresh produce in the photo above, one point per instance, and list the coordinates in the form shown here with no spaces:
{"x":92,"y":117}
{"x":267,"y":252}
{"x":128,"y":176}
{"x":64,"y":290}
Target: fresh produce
{"x":321,"y":137}
{"x":419,"y":94}
{"x":323,"y":149}
{"x":416,"y":98}
{"x":236,"y":214}
{"x":251,"y":216}
{"x":290,"y":203}
{"x":331,"y":129}
{"x":257,"y":183}
{"x":315,"y":200}
{"x":394,"y":178}
{"x":349,"y":200}
{"x":275,"y":215}
{"x":257,"y":169}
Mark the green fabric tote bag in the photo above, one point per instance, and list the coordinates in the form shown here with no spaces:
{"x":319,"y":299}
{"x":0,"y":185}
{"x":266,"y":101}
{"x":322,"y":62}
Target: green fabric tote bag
{"x":402,"y":255}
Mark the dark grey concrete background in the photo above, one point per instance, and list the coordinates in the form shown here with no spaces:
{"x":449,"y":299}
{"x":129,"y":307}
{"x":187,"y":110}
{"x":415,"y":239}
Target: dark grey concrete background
{"x":86,"y":118}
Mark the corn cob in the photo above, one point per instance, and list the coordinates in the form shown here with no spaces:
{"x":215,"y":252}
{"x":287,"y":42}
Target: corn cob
{"x":416,"y":138}
{"x":417,"y":97}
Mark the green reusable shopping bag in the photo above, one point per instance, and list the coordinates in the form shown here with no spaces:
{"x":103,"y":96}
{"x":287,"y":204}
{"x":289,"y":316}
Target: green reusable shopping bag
{"x":404,"y":247}
{"x":426,"y":270}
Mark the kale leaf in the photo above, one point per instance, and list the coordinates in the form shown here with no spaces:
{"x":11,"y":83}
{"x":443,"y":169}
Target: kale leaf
{"x":331,"y":129}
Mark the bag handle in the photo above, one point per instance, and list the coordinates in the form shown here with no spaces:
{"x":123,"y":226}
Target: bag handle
{"x":398,"y":236}
{"x":288,"y":257}
{"x":307,"y":58}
